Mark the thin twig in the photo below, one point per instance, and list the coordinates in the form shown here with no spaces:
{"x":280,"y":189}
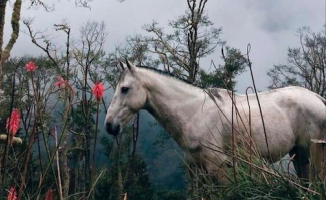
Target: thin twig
{"x":135,"y":132}
{"x":250,"y":136}
{"x":6,"y":152}
{"x":233,"y":144}
{"x":253,"y":82}
{"x":58,"y":163}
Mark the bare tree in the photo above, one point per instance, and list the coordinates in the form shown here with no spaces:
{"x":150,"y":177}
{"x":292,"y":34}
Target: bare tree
{"x":88,"y":52}
{"x":62,"y":65}
{"x":193,"y":38}
{"x":306,"y":65}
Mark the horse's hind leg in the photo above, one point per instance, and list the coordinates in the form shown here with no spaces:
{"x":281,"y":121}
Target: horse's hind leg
{"x":301,"y":161}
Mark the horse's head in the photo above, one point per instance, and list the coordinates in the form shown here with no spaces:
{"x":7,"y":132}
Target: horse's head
{"x":129,"y":97}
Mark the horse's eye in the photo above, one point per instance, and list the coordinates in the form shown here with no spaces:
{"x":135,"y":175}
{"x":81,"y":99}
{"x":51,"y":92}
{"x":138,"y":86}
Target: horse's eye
{"x":124,"y":90}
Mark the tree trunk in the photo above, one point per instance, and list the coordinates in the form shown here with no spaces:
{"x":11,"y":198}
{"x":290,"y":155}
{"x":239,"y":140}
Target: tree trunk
{"x":3,"y":5}
{"x":15,"y":18}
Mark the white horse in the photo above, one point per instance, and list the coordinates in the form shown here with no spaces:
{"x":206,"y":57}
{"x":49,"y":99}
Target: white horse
{"x":292,"y":115}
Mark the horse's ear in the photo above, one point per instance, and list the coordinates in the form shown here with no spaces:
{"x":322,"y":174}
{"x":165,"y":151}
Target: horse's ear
{"x":121,"y":65}
{"x":130,"y":66}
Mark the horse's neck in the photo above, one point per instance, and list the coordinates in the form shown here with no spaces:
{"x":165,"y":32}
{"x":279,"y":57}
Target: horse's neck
{"x":172,"y":103}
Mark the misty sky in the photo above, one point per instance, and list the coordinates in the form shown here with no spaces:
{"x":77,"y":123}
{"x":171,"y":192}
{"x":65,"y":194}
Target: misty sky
{"x":269,"y":25}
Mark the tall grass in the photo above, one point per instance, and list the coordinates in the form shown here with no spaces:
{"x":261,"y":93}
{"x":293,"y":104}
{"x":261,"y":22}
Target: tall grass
{"x":257,"y":180}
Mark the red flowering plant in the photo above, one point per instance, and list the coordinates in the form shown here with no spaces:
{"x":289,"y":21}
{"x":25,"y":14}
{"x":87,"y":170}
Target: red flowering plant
{"x":30,"y":66}
{"x":61,"y":82}
{"x":13,"y":124}
{"x":97,"y":91}
{"x":12,"y":195}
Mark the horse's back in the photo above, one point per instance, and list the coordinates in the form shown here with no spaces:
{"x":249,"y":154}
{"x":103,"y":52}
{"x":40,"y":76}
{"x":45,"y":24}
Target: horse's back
{"x":292,"y":116}
{"x":304,"y":110}
{"x":312,"y":109}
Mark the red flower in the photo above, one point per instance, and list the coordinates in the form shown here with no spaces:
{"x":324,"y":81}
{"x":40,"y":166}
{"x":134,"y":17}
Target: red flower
{"x":60,"y":82}
{"x":30,"y":66}
{"x":97,"y":91}
{"x":12,"y":195}
{"x":48,"y":195}
{"x":13,"y":124}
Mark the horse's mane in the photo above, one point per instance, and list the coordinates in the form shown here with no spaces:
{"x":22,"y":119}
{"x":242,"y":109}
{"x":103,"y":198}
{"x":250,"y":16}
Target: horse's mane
{"x":213,"y":91}
{"x":164,"y":73}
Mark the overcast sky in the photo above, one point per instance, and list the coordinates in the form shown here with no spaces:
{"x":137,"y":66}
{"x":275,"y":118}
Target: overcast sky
{"x":269,"y":25}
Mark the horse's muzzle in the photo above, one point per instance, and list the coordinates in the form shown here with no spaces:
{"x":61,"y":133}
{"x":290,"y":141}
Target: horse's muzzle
{"x":112,"y":129}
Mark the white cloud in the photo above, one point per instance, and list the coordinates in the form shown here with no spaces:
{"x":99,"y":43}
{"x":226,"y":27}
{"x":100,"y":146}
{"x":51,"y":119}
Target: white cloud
{"x":269,"y":26}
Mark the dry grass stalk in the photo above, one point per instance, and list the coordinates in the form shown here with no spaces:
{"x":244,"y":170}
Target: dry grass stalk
{"x":58,"y":163}
{"x":125,"y":196}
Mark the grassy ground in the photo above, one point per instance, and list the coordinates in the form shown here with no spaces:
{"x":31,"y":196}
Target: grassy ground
{"x":257,"y":180}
